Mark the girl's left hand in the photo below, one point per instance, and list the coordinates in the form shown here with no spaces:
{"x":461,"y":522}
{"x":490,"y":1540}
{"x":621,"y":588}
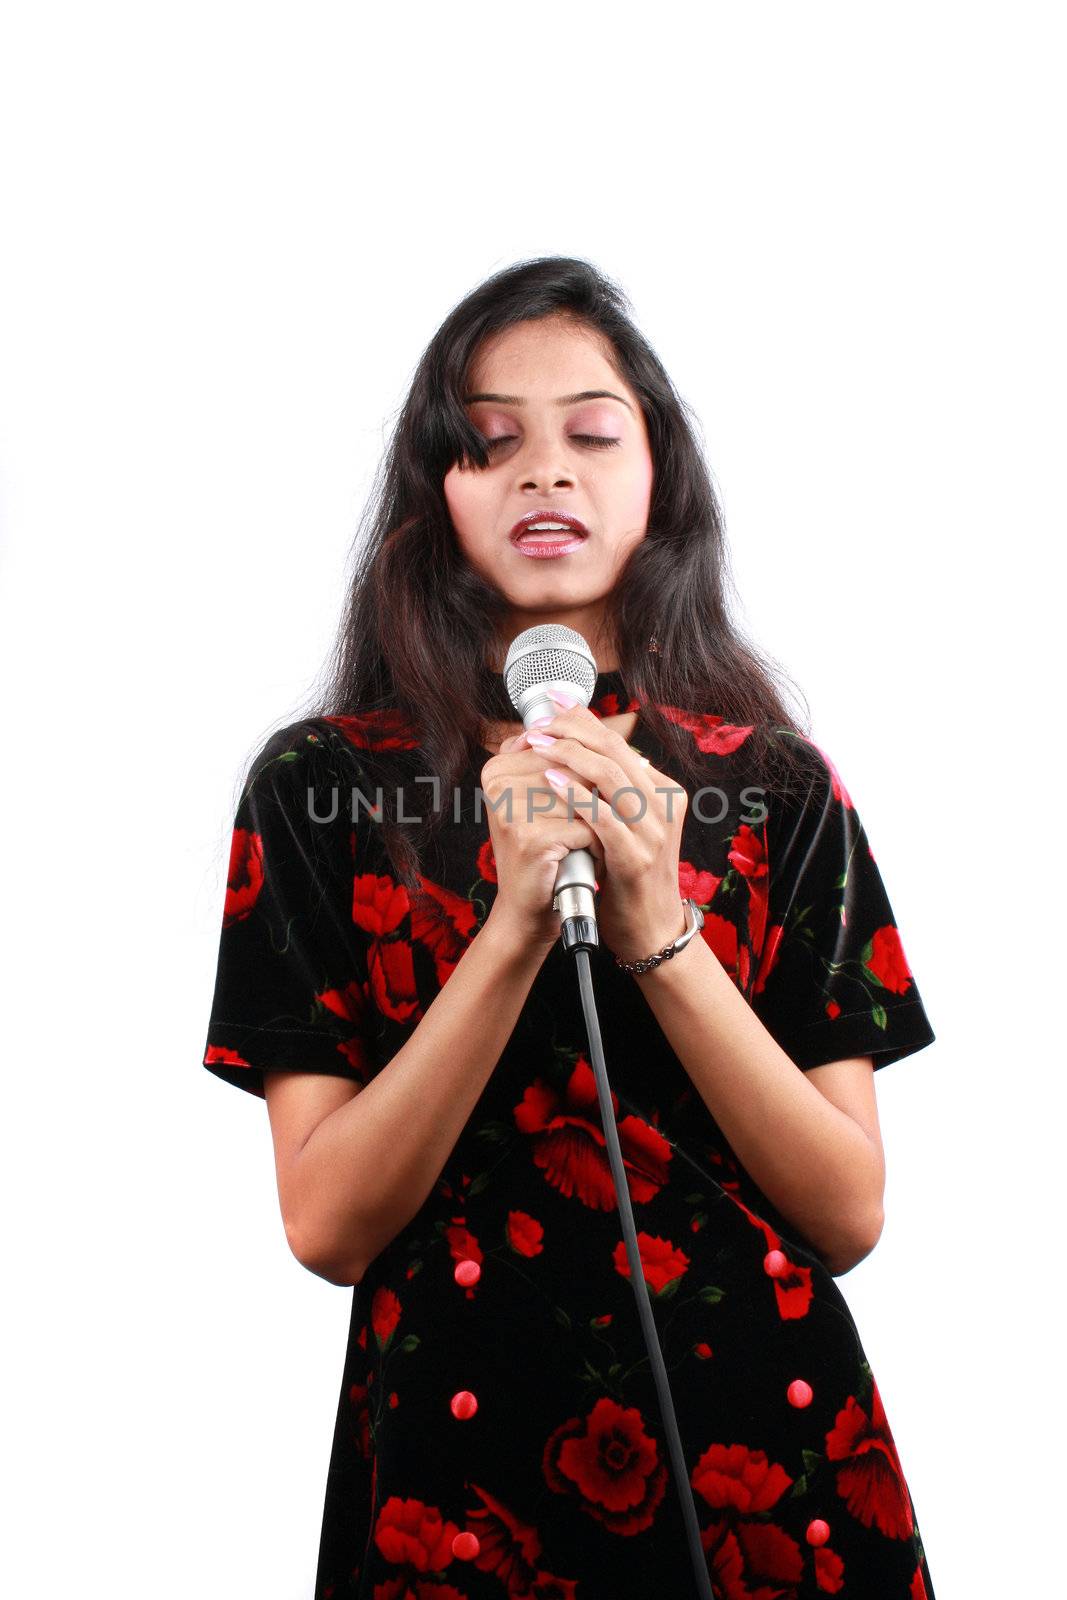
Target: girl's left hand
{"x":639,"y":904}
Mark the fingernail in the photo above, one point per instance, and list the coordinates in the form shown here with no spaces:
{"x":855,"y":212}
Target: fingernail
{"x":540,"y":740}
{"x":562,"y":699}
{"x":555,"y":776}
{"x":541,"y":722}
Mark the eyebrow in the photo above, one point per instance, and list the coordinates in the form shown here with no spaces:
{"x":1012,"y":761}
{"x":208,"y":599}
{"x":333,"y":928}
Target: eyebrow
{"x":564,"y":399}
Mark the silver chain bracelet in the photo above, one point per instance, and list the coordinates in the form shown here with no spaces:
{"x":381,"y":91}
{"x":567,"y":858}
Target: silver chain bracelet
{"x":694,"y":923}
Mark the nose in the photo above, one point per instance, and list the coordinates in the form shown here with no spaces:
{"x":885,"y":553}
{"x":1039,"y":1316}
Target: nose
{"x":543,"y":481}
{"x":541,"y":472}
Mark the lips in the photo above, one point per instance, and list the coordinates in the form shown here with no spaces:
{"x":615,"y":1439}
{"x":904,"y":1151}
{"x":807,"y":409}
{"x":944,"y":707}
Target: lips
{"x":569,"y":526}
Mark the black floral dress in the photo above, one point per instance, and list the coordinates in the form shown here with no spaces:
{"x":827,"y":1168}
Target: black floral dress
{"x":498,"y":1430}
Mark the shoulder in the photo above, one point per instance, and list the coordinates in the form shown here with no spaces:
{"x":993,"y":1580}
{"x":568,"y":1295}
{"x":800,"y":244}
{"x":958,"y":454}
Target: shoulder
{"x":810,"y":821}
{"x":341,"y":746}
{"x":787,"y":761}
{"x":286,"y":754}
{"x":814,"y":771}
{"x":305,"y":757}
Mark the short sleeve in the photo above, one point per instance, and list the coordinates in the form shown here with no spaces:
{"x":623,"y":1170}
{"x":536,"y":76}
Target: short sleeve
{"x":832,"y":978}
{"x":291,"y":987}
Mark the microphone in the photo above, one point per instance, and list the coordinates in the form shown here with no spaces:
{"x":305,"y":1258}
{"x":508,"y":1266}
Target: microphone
{"x":554,"y":657}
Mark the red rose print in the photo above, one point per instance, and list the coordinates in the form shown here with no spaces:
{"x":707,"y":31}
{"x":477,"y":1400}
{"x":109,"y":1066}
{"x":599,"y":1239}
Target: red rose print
{"x":569,"y":1142}
{"x":610,"y":705}
{"x":887,"y":960}
{"x":464,"y":1247}
{"x":661,"y":1262}
{"x":219,"y":1052}
{"x":378,"y":904}
{"x":757,"y":916}
{"x":486,"y":862}
{"x":710,"y":733}
{"x":748,"y":856}
{"x":918,"y":1589}
{"x":721,"y":935}
{"x":524,"y":1234}
{"x":695,"y":884}
{"x":416,"y":1534}
{"x":870,"y":1482}
{"x":508,"y":1547}
{"x":354,"y":1004}
{"x":752,"y":1560}
{"x":730,"y":1476}
{"x":356,"y":1054}
{"x":769,"y":957}
{"x":609,"y":1464}
{"x":384,"y":1314}
{"x":829,"y":1570}
{"x":377,"y":730}
{"x":442,"y":921}
{"x":832,"y":1009}
{"x":748,"y":853}
{"x":392,"y":980}
{"x":793,"y":1292}
{"x":350,"y":1002}
{"x":792,"y":1288}
{"x":244,"y":877}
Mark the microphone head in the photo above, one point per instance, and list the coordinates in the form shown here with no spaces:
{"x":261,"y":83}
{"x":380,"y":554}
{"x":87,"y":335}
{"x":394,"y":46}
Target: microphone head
{"x":549,"y":656}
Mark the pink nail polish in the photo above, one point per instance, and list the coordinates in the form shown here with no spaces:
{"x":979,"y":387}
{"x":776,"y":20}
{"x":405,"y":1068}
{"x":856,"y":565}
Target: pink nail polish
{"x":540,"y":722}
{"x":566,"y":700}
{"x":540,"y":741}
{"x":554,"y":776}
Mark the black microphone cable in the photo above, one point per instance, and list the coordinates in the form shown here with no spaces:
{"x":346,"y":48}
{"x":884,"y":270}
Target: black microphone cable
{"x":637,"y":1277}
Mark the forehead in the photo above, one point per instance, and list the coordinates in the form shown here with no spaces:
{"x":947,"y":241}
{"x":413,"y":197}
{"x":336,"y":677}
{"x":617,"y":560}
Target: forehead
{"x":543,"y":361}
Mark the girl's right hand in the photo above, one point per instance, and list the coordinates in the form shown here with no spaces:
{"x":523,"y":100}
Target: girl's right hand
{"x":530,"y":838}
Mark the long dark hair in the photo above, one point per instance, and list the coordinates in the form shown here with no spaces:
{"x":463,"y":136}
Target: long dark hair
{"x":420,"y":625}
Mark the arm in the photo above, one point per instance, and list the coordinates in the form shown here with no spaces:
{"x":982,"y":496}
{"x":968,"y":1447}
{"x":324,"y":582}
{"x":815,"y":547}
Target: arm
{"x":355,"y":1162}
{"x":810,"y":1140}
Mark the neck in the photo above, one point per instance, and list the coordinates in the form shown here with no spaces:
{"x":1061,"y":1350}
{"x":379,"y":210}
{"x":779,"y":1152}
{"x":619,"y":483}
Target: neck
{"x":592,"y":628}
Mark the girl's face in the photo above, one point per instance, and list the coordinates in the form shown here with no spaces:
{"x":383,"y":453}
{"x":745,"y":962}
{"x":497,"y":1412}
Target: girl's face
{"x":552,"y":452}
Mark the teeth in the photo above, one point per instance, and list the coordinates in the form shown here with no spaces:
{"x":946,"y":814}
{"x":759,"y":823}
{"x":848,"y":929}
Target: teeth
{"x":539,"y":527}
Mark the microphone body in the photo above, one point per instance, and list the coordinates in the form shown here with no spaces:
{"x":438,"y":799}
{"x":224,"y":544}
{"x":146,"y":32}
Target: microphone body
{"x":554,"y":657}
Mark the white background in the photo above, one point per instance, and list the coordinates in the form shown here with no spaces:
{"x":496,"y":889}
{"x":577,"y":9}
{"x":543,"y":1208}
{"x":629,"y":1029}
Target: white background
{"x":228,"y":232}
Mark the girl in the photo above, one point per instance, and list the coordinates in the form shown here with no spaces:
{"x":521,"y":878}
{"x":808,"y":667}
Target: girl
{"x":391,"y":981}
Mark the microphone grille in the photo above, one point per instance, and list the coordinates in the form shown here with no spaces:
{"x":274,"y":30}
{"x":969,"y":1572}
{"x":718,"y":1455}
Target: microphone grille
{"x":549,"y":653}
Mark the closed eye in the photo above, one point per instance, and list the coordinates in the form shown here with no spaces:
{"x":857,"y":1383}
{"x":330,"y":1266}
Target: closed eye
{"x":597,"y":440}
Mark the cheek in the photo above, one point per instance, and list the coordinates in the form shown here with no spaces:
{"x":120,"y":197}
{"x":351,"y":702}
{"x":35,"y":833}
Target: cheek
{"x":465,"y":496}
{"x":461,"y":498}
{"x":454,"y":487}
{"x":635,"y":495}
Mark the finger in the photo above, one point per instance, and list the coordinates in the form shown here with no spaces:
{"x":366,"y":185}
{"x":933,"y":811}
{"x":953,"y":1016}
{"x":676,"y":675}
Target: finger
{"x":626,"y":787}
{"x":615,"y":834}
{"x":579,"y":723}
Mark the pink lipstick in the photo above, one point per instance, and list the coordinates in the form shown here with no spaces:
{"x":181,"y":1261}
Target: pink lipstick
{"x":545,"y":533}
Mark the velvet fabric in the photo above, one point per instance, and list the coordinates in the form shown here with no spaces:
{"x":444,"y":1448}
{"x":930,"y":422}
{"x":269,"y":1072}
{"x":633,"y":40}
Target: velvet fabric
{"x":498,"y":1430}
